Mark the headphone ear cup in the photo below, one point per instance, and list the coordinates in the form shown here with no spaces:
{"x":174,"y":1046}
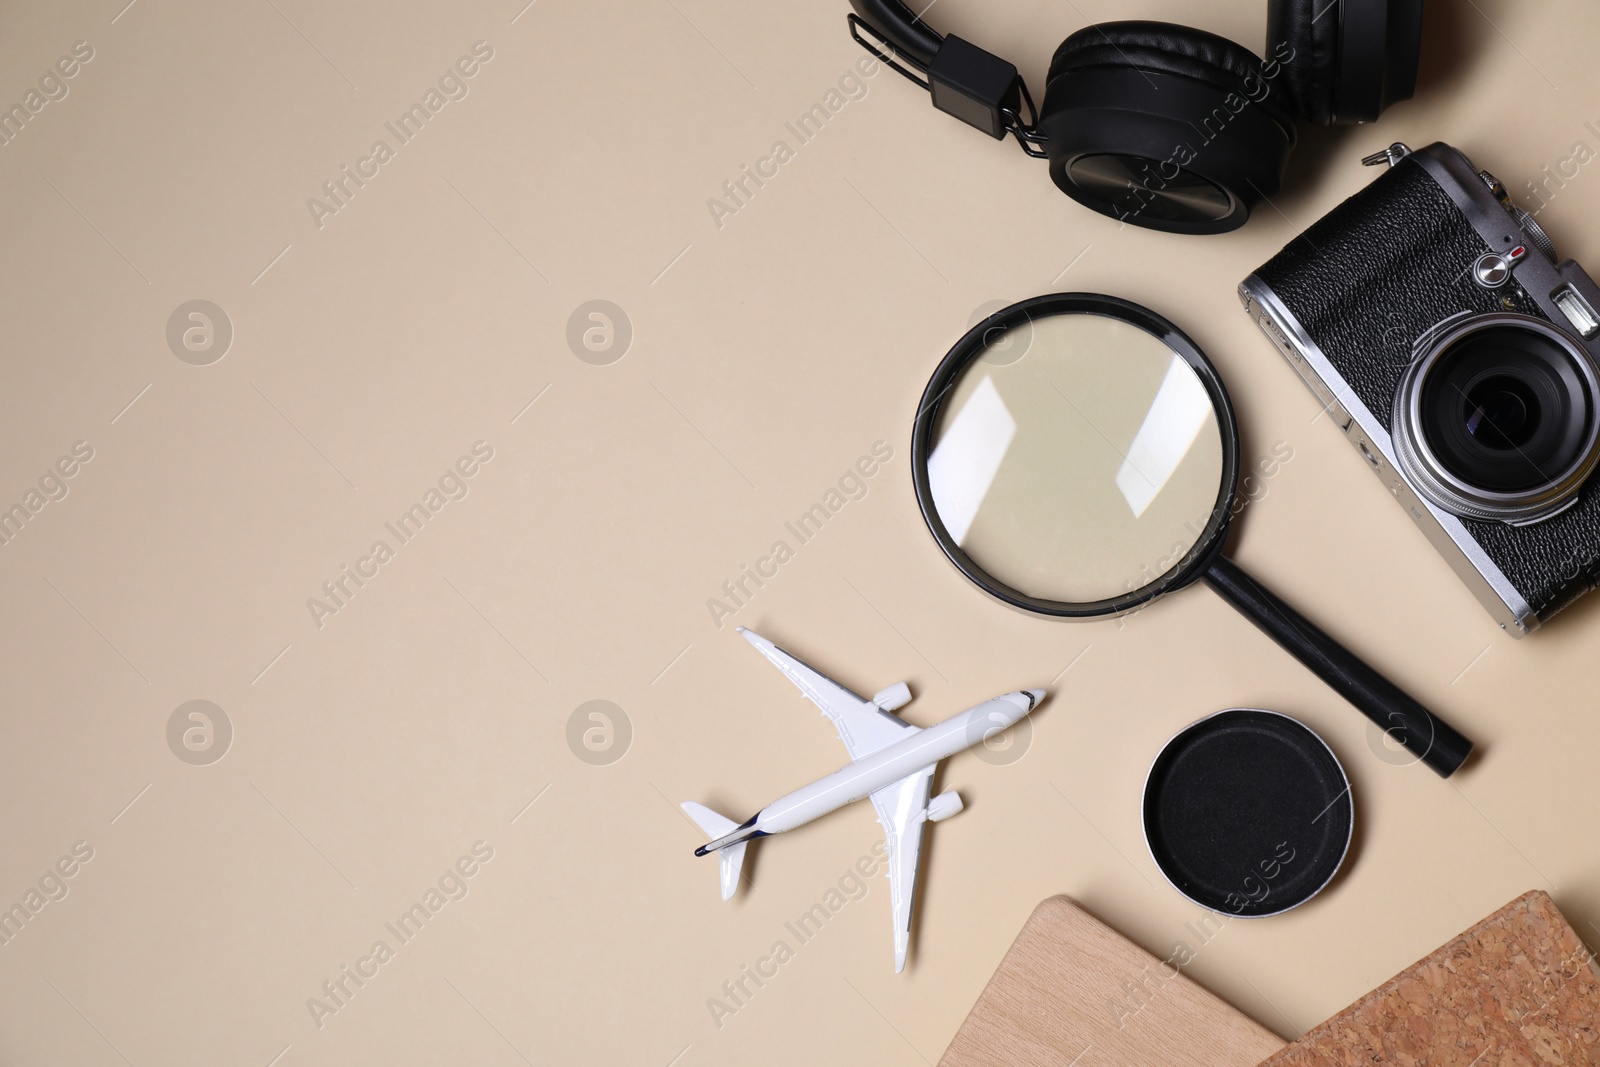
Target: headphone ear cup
{"x":1166,"y":127}
{"x":1303,"y":35}
{"x":1346,"y":60}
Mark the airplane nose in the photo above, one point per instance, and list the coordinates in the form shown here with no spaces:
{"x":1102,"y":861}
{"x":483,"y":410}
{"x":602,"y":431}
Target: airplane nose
{"x":1025,"y":700}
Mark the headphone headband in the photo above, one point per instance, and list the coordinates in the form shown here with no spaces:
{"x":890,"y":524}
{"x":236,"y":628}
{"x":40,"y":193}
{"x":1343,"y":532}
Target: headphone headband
{"x":905,"y":31}
{"x":1194,"y":157}
{"x":968,"y":82}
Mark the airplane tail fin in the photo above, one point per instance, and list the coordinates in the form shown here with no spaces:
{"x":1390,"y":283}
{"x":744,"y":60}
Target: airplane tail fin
{"x":729,"y":859}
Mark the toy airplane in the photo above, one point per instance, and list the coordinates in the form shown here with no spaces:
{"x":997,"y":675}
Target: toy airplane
{"x":892,"y":762}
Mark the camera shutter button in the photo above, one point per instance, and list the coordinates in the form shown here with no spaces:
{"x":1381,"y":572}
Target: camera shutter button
{"x":1493,"y":269}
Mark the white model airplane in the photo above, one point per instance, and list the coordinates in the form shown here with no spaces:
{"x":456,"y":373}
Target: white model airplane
{"x":891,"y":761}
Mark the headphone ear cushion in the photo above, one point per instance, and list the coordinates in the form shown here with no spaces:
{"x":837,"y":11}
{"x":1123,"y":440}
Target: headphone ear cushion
{"x":1346,"y":60}
{"x":1164,"y":48}
{"x":1306,"y":32}
{"x":1164,"y":126}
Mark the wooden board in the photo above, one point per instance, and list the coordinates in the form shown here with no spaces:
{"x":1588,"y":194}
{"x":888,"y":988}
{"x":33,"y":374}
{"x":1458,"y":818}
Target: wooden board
{"x":1519,"y":988}
{"x":1073,"y":991}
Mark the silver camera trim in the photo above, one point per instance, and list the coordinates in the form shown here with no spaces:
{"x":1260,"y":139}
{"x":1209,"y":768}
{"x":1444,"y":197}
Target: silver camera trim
{"x":1445,"y":531}
{"x":1422,"y":467}
{"x":1539,"y":276}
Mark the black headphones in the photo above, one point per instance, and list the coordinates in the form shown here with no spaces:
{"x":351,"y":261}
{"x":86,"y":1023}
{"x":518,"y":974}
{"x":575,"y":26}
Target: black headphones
{"x":1161,"y":125}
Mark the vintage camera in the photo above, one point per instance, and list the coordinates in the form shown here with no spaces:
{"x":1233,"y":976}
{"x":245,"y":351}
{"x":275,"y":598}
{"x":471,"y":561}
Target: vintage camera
{"x":1429,"y":315}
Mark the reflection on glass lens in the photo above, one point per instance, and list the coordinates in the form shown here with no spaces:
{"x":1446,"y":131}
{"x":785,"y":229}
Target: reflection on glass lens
{"x":1085,"y":470}
{"x":1184,"y":197}
{"x":1505,"y":407}
{"x":1502,"y":412}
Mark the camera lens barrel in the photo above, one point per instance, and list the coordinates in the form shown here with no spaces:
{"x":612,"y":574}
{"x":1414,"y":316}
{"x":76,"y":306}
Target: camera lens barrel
{"x":1498,"y":418}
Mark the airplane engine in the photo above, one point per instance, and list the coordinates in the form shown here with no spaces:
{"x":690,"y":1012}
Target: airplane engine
{"x":944,"y":805}
{"x":896,"y":696}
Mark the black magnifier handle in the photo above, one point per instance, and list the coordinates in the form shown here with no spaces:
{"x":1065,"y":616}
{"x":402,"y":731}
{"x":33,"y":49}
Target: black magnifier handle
{"x":1433,"y":741}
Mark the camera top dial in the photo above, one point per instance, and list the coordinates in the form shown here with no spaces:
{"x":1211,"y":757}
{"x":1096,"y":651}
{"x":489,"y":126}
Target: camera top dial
{"x":1525,"y":222}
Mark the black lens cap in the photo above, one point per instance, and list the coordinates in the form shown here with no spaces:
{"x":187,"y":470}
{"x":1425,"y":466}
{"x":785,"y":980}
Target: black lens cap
{"x":1248,"y":812}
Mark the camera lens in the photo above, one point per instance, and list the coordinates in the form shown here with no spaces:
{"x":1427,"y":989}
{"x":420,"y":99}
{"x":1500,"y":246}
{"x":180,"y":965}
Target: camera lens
{"x":1502,"y":413}
{"x":1505,"y":409}
{"x":1142,"y":187}
{"x":1497,"y":419}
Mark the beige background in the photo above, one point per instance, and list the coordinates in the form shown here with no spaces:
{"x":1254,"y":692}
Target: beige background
{"x":768,"y":355}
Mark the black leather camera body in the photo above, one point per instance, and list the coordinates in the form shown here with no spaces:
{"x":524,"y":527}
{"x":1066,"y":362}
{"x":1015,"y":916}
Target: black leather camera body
{"x":1431,"y":318}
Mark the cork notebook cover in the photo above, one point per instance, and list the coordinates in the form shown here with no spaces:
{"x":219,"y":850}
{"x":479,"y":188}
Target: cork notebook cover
{"x":1518,"y":989}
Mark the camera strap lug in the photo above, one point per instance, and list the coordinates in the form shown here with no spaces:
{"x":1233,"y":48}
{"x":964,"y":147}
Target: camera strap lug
{"x":1391,"y":155}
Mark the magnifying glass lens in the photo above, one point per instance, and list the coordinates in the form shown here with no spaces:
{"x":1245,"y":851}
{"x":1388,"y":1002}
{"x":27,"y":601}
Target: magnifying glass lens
{"x":1076,"y":455}
{"x":1076,"y":459}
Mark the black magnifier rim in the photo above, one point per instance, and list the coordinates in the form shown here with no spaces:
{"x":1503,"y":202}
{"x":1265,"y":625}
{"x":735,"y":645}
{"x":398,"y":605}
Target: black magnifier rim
{"x":970,"y":348}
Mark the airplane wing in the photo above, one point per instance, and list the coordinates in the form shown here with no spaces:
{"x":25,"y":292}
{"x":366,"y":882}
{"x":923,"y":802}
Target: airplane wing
{"x":863,"y":726}
{"x":903,"y":812}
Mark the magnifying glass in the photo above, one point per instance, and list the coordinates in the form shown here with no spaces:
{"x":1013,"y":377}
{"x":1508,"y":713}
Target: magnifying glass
{"x":1076,"y":455}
